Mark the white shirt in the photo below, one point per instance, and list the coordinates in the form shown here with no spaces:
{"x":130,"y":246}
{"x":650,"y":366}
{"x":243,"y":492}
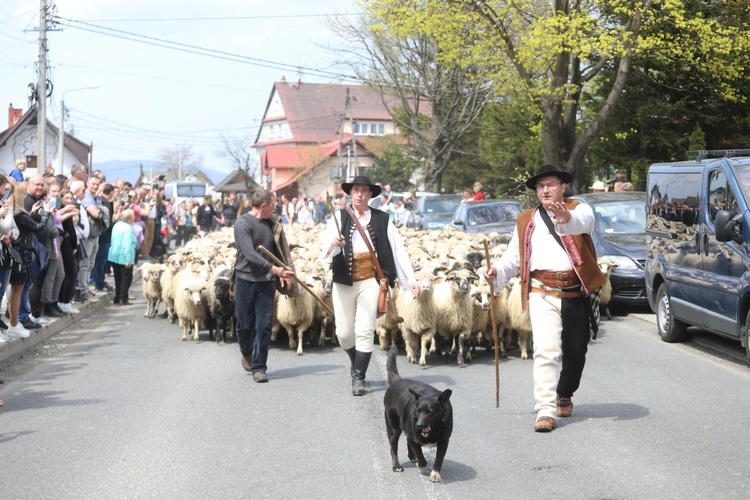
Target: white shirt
{"x":403,"y":264}
{"x":546,"y":252}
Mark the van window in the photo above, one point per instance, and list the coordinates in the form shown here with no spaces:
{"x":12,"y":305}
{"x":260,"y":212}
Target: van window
{"x":720,"y":194}
{"x":675,"y":199}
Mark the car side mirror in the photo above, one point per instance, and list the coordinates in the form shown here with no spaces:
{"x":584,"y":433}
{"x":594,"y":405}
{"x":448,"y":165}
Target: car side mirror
{"x":728,"y":226}
{"x":458,"y":222}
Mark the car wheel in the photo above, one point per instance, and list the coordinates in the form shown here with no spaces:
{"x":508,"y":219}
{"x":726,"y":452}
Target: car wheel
{"x":670,"y":328}
{"x":747,"y":339}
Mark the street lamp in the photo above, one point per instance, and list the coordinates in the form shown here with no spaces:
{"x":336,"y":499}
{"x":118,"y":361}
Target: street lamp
{"x":90,"y":86}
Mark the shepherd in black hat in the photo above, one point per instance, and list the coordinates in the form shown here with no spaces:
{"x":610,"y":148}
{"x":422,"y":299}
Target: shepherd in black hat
{"x":355,"y":285}
{"x":552,"y":250}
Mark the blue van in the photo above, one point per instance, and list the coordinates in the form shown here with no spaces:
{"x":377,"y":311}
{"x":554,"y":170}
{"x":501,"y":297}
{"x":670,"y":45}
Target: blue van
{"x":698,"y":243}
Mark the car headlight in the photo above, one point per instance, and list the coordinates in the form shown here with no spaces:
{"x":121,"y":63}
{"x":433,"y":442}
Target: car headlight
{"x":622,"y":262}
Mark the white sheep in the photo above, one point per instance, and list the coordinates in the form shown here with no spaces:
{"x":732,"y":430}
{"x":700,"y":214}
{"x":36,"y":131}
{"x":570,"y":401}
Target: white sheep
{"x":296,"y":315}
{"x":519,"y":319}
{"x":418,"y":328}
{"x":151,"y":274}
{"x":605,"y":292}
{"x":191,"y":305}
{"x":454,"y":310}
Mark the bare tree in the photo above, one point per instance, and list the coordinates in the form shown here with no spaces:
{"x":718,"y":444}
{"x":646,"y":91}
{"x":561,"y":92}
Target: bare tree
{"x":181,"y":159}
{"x":433,"y":104}
{"x":239,"y":153}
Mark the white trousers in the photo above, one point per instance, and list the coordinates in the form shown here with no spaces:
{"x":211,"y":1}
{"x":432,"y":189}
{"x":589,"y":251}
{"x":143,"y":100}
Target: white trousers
{"x":546,"y":323}
{"x":356,"y":309}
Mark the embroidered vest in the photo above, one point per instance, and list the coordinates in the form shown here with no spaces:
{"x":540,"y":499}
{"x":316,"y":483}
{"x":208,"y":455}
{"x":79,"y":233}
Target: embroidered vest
{"x":378,"y":230}
{"x":579,"y":248}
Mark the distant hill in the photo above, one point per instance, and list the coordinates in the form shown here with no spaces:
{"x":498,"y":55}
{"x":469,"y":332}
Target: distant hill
{"x":130,"y":169}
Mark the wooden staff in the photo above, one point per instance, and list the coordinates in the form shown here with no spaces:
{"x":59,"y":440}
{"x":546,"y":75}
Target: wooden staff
{"x":329,"y":204}
{"x":493,"y":312}
{"x":303,"y":285}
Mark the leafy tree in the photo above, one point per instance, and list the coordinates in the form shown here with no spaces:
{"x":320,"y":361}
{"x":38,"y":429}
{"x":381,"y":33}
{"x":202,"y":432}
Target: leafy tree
{"x":395,"y":167}
{"x":432,"y":100}
{"x":558,"y":53}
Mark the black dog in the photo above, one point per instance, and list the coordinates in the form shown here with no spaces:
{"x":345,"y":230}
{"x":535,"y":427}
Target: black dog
{"x":422,"y":412}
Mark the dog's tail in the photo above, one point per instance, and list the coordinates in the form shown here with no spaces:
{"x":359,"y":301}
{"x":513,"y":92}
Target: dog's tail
{"x":391,"y":367}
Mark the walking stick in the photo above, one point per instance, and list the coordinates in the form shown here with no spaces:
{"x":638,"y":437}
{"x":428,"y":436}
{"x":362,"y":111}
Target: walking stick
{"x":493,"y":312}
{"x":329,"y":205}
{"x":303,"y":285}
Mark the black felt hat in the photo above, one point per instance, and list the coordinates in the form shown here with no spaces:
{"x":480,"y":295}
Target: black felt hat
{"x":547,"y":170}
{"x":361,"y":179}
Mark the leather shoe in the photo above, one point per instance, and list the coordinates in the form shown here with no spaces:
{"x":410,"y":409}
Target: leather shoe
{"x":247,"y":363}
{"x":564,"y":407}
{"x":544,"y":424}
{"x":260,"y":377}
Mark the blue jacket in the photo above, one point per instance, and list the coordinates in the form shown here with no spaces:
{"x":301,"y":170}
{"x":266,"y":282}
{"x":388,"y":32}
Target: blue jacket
{"x":122,"y":247}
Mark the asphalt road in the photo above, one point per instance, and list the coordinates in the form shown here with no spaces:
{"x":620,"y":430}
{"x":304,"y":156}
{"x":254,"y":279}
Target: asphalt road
{"x":128,"y":410}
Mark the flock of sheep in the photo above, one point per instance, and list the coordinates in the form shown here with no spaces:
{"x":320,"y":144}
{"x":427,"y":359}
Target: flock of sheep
{"x":451,"y":316}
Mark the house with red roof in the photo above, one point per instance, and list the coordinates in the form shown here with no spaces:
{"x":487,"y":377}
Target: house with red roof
{"x":315,"y":135}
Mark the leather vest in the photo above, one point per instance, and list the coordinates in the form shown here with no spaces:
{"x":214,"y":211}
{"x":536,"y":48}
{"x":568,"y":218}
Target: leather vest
{"x":378,"y":230}
{"x":587,"y":269}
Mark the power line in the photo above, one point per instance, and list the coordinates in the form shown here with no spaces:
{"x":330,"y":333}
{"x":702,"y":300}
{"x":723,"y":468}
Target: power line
{"x":233,"y":18}
{"x":192,"y":49}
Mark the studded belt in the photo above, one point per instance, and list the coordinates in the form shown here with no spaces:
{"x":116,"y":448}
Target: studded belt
{"x":556,"y":279}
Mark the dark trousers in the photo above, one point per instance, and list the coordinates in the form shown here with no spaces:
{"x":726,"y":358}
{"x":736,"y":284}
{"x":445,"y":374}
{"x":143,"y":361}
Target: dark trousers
{"x":575,"y":340}
{"x":254,"y":310}
{"x":35,"y":293}
{"x":101,"y":261}
{"x":69,"y":262}
{"x":123,"y":280}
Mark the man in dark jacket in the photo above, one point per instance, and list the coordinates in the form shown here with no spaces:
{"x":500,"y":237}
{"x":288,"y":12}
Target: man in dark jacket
{"x":98,"y":274}
{"x":255,"y":285}
{"x":207,"y":214}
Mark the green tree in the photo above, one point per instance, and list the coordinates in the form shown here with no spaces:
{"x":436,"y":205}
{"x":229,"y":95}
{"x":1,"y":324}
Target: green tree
{"x":433,"y":101}
{"x":558,"y":53}
{"x":395,"y":167}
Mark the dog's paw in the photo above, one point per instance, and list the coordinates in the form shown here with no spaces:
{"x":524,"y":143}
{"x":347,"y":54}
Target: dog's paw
{"x":435,"y":477}
{"x":398,"y":468}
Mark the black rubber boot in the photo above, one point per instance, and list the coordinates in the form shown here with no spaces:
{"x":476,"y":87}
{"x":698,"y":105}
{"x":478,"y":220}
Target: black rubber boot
{"x":352,"y":355}
{"x":361,"y":362}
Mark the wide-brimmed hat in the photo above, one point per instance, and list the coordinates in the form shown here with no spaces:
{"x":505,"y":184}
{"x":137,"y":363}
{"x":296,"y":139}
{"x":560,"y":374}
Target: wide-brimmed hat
{"x":361,"y":179}
{"x":547,"y":170}
{"x":599,"y":185}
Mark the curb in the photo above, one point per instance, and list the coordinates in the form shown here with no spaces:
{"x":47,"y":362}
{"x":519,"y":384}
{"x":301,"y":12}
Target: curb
{"x":36,"y":337}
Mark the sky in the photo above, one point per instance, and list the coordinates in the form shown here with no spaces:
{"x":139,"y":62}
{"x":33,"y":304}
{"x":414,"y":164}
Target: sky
{"x":150,"y":98}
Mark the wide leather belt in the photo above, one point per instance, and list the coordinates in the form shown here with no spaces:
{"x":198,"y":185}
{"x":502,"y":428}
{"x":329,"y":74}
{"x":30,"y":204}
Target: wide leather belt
{"x":362,"y":267}
{"x":556,"y":279}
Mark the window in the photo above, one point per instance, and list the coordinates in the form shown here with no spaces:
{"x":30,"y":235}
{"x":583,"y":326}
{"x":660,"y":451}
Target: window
{"x":378,"y":129}
{"x":720,"y":194}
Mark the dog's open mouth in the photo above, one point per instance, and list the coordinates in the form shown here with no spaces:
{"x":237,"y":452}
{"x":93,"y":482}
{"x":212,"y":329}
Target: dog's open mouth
{"x":425,"y":431}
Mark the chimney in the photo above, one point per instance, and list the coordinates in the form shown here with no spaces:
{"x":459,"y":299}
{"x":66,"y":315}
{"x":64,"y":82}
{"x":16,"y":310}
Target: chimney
{"x":13,"y":115}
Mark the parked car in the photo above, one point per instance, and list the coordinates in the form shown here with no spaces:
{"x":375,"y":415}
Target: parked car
{"x":698,"y":228}
{"x":486,"y":216}
{"x":620,"y":235}
{"x":434,"y":211}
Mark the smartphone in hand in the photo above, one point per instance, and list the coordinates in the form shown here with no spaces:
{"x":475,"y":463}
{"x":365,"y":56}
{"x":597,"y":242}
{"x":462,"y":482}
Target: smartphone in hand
{"x":54,"y":203}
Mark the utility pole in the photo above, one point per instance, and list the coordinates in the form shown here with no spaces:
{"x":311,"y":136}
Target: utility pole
{"x":41,"y":89}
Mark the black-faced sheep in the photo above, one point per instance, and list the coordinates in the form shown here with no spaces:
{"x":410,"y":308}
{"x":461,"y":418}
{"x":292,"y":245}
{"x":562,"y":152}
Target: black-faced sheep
{"x":221,"y":305}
